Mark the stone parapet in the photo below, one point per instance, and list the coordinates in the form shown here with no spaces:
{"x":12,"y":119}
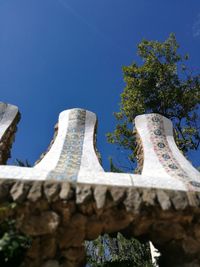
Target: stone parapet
{"x":67,"y":198}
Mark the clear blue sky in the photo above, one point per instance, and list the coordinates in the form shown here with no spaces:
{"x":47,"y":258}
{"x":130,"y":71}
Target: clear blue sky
{"x":60,"y":54}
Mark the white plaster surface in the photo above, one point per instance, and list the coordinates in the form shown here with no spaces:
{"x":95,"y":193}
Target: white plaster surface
{"x":101,"y":178}
{"x":185,"y":164}
{"x":154,"y":254}
{"x":89,"y":159}
{"x":158,"y":182}
{"x":89,"y":171}
{"x":22,"y":173}
{"x":51,"y":159}
{"x":152,"y":166}
{"x":105,"y":178}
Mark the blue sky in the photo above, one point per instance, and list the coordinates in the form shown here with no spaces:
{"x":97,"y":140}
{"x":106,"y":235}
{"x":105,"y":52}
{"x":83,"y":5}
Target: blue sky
{"x":60,"y":54}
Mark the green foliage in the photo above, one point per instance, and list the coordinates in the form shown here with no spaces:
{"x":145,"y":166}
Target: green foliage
{"x":107,"y":252}
{"x":113,"y":168}
{"x":12,"y":243}
{"x":23,"y":163}
{"x":161,"y":84}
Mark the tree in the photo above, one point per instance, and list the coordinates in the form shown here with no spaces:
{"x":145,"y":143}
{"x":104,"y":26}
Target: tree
{"x":161,"y":84}
{"x":13,"y":244}
{"x":106,"y":251}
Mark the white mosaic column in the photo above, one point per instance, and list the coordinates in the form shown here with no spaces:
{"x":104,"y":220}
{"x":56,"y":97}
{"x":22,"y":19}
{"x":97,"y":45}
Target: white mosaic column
{"x":162,"y":158}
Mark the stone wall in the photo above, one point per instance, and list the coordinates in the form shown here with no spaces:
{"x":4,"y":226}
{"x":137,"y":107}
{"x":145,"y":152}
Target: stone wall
{"x":59,"y":217}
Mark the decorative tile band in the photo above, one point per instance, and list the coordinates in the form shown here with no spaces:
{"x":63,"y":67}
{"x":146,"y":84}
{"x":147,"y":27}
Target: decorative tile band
{"x":70,"y":159}
{"x":164,"y":153}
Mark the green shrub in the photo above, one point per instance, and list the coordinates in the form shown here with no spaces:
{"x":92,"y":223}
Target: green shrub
{"x":13,"y":244}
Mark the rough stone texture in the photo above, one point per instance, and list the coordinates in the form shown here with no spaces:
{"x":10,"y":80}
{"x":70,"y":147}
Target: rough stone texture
{"x":83,"y":194}
{"x":35,"y":192}
{"x":65,"y":192}
{"x":48,"y":246}
{"x":51,"y":190}
{"x":42,"y":224}
{"x":133,"y":200}
{"x":19,"y":191}
{"x":34,"y":250}
{"x":118,"y":194}
{"x":74,"y":253}
{"x":179,"y":200}
{"x":51,"y":263}
{"x":7,"y":140}
{"x":4,"y":189}
{"x":94,"y":228}
{"x":163,"y":199}
{"x":100,"y":196}
{"x":59,"y":228}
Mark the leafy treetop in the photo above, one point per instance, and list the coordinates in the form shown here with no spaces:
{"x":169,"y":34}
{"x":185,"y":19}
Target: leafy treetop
{"x":161,"y":84}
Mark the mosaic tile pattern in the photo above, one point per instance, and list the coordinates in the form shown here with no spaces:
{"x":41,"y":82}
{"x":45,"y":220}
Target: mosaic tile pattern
{"x":164,"y":153}
{"x":69,"y":163}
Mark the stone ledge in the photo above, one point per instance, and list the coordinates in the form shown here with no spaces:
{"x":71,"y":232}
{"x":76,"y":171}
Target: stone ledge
{"x":54,"y":190}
